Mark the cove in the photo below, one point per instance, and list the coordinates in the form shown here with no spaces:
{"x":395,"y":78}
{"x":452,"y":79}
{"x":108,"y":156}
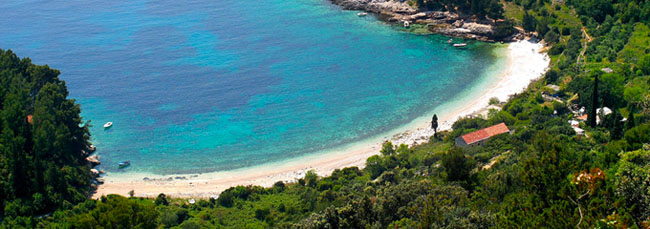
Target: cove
{"x":202,"y":86}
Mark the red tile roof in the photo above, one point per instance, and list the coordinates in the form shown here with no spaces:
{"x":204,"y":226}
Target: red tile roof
{"x":486,"y":133}
{"x":30,"y":119}
{"x":583,"y":117}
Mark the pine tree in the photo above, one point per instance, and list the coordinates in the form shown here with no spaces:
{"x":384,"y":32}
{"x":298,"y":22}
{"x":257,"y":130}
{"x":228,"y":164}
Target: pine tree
{"x":495,"y":10}
{"x":529,"y":22}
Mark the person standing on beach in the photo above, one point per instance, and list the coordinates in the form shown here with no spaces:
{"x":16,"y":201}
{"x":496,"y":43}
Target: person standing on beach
{"x":434,"y":125}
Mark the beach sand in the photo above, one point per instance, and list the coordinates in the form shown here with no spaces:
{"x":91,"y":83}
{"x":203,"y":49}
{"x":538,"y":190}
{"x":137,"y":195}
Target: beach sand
{"x":525,"y":63}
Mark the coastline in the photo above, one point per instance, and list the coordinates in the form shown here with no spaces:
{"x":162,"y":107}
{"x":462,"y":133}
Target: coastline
{"x":524,"y":64}
{"x":445,"y":22}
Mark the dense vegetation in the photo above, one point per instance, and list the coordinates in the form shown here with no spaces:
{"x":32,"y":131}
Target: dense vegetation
{"x":541,"y":175}
{"x":42,"y":161}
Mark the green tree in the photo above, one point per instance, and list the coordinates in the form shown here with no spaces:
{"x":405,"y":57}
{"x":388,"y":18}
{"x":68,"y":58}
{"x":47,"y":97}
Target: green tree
{"x":542,"y":27}
{"x":161,"y":199}
{"x":375,"y":165}
{"x":633,"y":182}
{"x":118,"y":212}
{"x":494,"y":10}
{"x":529,"y":23}
{"x":644,"y":64}
{"x":457,"y":165}
{"x":387,"y":148}
{"x":503,"y":29}
{"x":42,"y":139}
{"x":311,"y":178}
{"x":637,"y":136}
{"x":551,"y":37}
{"x":591,"y":119}
{"x":434,"y":124}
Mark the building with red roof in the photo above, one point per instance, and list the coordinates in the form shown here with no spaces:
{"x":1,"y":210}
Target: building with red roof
{"x":480,"y":136}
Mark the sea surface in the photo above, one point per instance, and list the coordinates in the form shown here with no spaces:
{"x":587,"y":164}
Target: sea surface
{"x":213,"y":85}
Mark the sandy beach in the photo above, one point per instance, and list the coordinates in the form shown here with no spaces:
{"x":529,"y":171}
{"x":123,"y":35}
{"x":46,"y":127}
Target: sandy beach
{"x":524,"y":64}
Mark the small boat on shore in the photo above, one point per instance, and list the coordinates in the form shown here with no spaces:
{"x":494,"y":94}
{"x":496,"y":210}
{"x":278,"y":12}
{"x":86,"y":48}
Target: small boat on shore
{"x":108,"y":125}
{"x":460,"y":45}
{"x":407,"y":24}
{"x":362,"y":14}
{"x":124,"y":164}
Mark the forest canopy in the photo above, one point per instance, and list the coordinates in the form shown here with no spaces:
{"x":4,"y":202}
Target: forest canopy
{"x":42,"y":141}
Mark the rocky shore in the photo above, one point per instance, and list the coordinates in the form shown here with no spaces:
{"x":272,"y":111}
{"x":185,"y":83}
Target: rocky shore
{"x":440,"y":22}
{"x":93,"y":161}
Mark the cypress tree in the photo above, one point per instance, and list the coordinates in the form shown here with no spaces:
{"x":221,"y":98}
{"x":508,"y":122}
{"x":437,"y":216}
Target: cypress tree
{"x":594,"y":104}
{"x":434,"y":124}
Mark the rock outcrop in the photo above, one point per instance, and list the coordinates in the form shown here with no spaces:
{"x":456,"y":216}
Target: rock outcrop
{"x":377,"y":6}
{"x":94,"y":172}
{"x":93,"y":160}
{"x":441,"y":22}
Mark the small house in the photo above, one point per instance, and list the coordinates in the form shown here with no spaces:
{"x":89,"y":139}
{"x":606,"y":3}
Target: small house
{"x":579,"y":131}
{"x":480,"y":136}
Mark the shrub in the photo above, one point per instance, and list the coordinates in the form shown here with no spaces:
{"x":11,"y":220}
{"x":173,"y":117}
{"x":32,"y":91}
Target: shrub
{"x":226,"y":198}
{"x":261,"y":213}
{"x":494,"y":100}
{"x":551,"y":37}
{"x":387,"y":148}
{"x":311,"y":178}
{"x":161,"y":199}
{"x":637,"y":136}
{"x":169,"y":218}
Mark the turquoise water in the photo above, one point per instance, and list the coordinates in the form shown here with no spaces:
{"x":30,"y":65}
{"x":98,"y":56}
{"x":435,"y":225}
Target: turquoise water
{"x":201,"y":86}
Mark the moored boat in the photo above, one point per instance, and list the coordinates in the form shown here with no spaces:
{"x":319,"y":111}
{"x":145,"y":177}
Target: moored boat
{"x":460,"y":45}
{"x":108,"y":125}
{"x":362,"y":14}
{"x":407,"y":24}
{"x":124,"y":164}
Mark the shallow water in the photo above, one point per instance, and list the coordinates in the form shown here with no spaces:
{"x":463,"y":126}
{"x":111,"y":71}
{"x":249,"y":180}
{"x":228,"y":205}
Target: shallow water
{"x":200,"y":86}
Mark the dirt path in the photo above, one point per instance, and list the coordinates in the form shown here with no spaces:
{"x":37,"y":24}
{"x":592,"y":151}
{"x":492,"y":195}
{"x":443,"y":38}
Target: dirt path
{"x":584,"y":50}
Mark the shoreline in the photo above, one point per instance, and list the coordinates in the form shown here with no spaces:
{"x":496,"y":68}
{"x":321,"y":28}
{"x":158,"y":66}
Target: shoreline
{"x":441,"y":21}
{"x":524,"y":64}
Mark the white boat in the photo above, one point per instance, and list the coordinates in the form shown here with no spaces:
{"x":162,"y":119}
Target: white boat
{"x":460,"y":45}
{"x":362,"y":14}
{"x":407,"y":24}
{"x":449,"y":41}
{"x":108,"y":124}
{"x":123,"y":164}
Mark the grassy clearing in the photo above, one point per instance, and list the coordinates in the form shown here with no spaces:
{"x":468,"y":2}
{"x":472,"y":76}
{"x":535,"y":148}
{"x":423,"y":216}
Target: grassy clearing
{"x":637,"y":45}
{"x":513,"y":11}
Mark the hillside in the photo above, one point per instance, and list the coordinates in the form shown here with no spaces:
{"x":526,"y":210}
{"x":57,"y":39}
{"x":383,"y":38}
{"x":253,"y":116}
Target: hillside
{"x":555,"y":169}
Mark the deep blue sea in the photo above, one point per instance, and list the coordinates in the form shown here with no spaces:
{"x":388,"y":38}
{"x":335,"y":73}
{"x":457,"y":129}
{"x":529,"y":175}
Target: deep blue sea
{"x":211,"y":85}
